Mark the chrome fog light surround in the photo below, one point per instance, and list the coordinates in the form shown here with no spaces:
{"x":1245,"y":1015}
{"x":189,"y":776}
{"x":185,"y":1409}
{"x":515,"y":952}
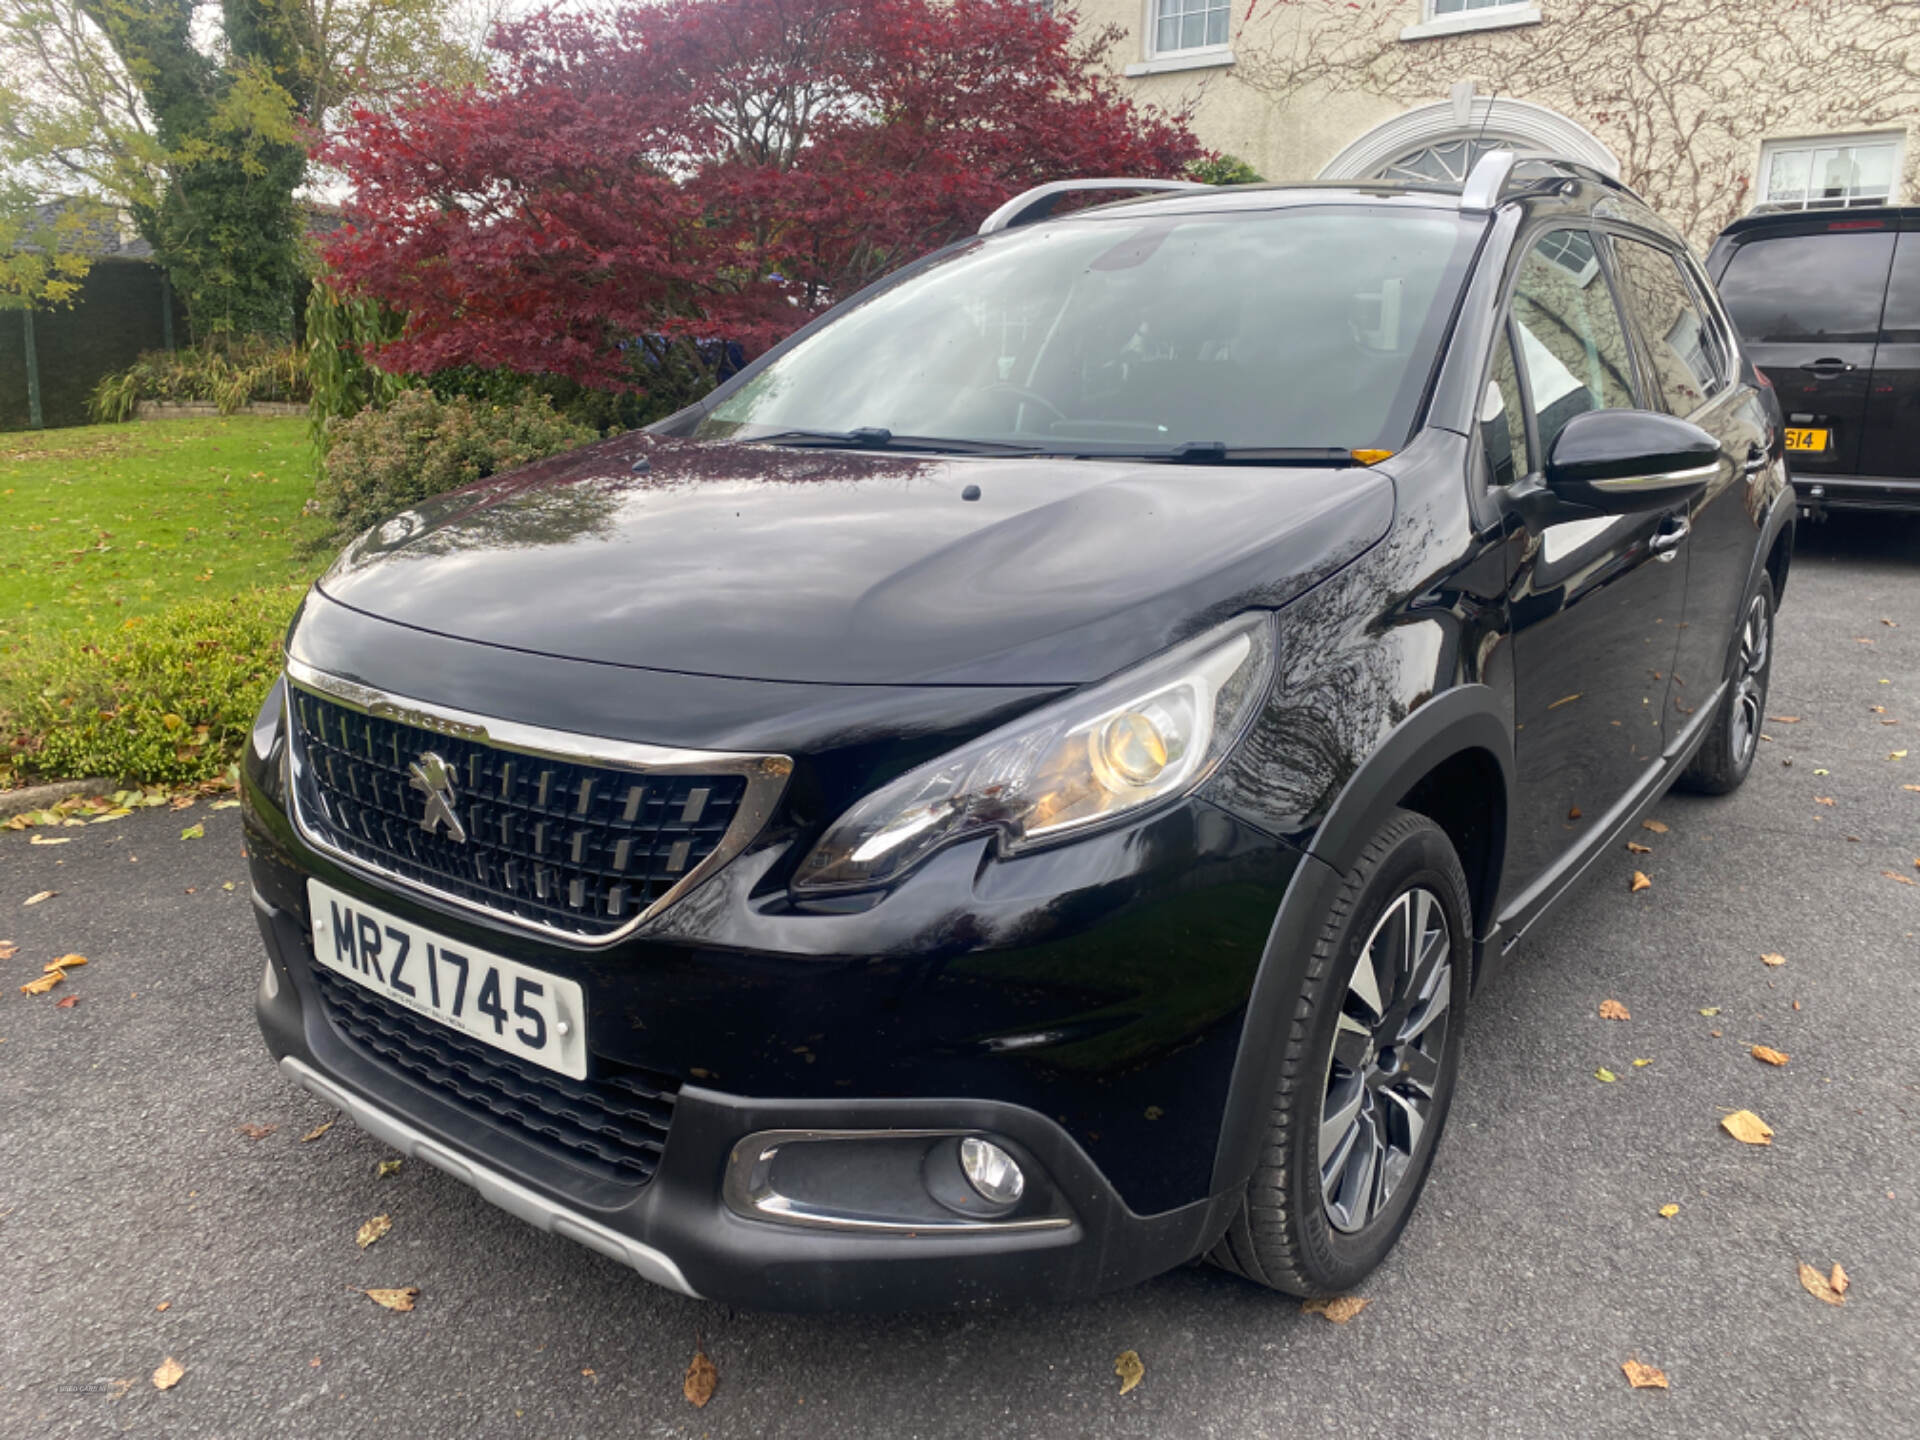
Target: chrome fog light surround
{"x":881,"y":1182}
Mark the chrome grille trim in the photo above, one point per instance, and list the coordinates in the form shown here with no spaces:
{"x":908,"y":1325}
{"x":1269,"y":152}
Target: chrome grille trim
{"x":765,"y":775}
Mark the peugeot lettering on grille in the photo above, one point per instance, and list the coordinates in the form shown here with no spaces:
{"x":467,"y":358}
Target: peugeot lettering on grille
{"x":433,"y":777}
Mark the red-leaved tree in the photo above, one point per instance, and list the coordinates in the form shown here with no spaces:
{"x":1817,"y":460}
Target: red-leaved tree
{"x":712,"y":169}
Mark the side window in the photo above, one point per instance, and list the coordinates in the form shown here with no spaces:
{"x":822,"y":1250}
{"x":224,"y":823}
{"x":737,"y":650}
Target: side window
{"x":1503,"y":424}
{"x":1571,"y":342}
{"x":1682,"y":347}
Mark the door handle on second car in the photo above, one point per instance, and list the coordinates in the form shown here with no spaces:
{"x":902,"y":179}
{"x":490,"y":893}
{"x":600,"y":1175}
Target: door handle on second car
{"x":1665,"y":543}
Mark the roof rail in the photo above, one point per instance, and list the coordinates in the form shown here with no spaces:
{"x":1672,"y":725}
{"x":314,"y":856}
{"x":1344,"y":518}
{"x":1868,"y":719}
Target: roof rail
{"x":1493,"y":172}
{"x":1038,"y":203}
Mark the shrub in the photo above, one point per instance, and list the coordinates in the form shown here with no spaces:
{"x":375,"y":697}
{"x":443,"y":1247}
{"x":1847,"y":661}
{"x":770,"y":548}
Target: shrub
{"x":1222,"y":170}
{"x":380,"y":461}
{"x":167,"y":699}
{"x":227,"y":375}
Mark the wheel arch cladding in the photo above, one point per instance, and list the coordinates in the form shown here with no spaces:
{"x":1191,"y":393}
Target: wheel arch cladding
{"x":1454,"y":749}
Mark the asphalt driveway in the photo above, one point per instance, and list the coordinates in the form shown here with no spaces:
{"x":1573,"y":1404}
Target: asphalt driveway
{"x":140,"y":1221}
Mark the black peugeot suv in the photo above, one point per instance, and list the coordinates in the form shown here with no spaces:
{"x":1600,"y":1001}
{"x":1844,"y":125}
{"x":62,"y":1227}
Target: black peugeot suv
{"x":1019,"y":788}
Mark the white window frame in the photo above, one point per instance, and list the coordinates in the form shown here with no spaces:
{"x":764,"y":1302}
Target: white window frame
{"x":1502,"y":16}
{"x":1198,"y":57}
{"x":1771,"y":148}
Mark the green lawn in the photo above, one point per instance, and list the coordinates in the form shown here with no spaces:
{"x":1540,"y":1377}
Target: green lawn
{"x":103,"y":522}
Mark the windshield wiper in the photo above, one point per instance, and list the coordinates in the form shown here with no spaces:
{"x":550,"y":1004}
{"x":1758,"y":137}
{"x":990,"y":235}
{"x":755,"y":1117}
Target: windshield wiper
{"x":875,"y":437}
{"x":1218,"y":452}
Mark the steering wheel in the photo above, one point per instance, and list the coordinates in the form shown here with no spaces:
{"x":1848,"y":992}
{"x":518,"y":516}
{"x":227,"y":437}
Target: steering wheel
{"x":1022,"y":392}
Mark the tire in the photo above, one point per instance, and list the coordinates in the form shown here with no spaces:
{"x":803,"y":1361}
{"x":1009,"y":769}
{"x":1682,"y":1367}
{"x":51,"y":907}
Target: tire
{"x":1295,"y":1232}
{"x":1721,"y":763}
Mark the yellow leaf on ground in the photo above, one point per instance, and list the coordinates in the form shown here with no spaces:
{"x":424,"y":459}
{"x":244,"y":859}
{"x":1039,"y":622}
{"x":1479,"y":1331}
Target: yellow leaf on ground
{"x":1563,"y":700}
{"x":1337,"y":1308}
{"x":1785,"y":719}
{"x":1128,"y":1367}
{"x":1896,"y":755}
{"x":702,"y":1376}
{"x":1667,"y":1212}
{"x":1819,"y":1286}
{"x":51,"y":840}
{"x":1641,"y":1064}
{"x":44,"y":983}
{"x":195,"y":831}
{"x":1654,"y":825}
{"x":1748,"y":1128}
{"x":1823,"y":800}
{"x":1770,"y":1056}
{"x":1896,"y":875}
{"x":1613,"y":1010}
{"x":1711,"y":1011}
{"x":1838,"y":1280}
{"x":400,"y":1299}
{"x":256,"y":1132}
{"x":1644,"y":1377}
{"x":386,"y":1168}
{"x":317,"y":1131}
{"x":1640,"y":882}
{"x":169,"y":1373}
{"x":1914,"y":788}
{"x":65,"y":962}
{"x":8,"y":949}
{"x":36,"y":899}
{"x":1605,"y":1075}
{"x":1634,"y":847}
{"x":373,"y":1230}
{"x":1773,"y":959}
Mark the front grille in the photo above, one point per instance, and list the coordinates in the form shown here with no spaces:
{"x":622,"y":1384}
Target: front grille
{"x":614,"y":1127}
{"x":574,"y":846}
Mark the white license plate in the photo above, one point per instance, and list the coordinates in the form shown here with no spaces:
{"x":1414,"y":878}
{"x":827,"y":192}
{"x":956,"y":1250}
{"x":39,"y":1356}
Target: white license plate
{"x":526,"y":1012}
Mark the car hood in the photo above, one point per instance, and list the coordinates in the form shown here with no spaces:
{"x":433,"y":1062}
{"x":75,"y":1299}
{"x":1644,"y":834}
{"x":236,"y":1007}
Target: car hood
{"x":841,"y":567}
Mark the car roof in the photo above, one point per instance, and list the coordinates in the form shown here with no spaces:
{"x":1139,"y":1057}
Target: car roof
{"x":1825,"y":221}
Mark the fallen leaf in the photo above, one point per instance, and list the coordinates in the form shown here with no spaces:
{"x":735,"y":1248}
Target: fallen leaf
{"x":1773,"y":959}
{"x":373,"y":1230}
{"x":8,"y":949}
{"x":1655,"y":826}
{"x":195,"y":831}
{"x":1819,"y":1286}
{"x":702,"y":1376}
{"x":1896,"y":755}
{"x":169,"y":1373}
{"x":1896,"y":875}
{"x":1878,"y":709}
{"x":1888,"y":623}
{"x":1563,"y":700}
{"x":1337,"y":1308}
{"x":1824,"y":772}
{"x":1641,"y":1064}
{"x":66,"y":1004}
{"x":1605,"y":1075}
{"x":224,"y":805}
{"x":65,"y":962}
{"x":400,"y":1299}
{"x":1748,"y":1128}
{"x":587,"y":1370}
{"x":44,"y":983}
{"x":386,"y":1168}
{"x":1613,"y":1010}
{"x":256,"y":1132}
{"x":317,"y":1131}
{"x":1914,"y":788}
{"x":1785,"y":719}
{"x":1640,"y":882}
{"x":1714,"y":1033}
{"x":1667,"y":1212}
{"x":36,"y":899}
{"x":1711,"y":1011}
{"x":51,"y":840}
{"x":1128,"y":1367}
{"x":1634,"y":847}
{"x":1838,"y":1280}
{"x":1574,"y":813}
{"x":164,"y":1305}
{"x":1644,"y":1377}
{"x":1766,"y":1053}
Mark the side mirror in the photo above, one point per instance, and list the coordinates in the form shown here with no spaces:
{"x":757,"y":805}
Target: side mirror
{"x":1619,"y":461}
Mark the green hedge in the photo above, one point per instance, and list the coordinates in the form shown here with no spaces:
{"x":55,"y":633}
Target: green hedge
{"x":228,"y":375}
{"x":164,"y":700}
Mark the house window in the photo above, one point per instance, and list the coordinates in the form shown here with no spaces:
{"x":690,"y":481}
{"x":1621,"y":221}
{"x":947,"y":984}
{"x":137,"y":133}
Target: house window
{"x":1189,"y":25}
{"x":1438,"y":8}
{"x":1829,"y":174}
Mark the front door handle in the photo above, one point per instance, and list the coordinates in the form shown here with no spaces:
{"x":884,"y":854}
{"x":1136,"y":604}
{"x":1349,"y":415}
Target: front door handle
{"x":1665,"y":543}
{"x":1826,"y":369}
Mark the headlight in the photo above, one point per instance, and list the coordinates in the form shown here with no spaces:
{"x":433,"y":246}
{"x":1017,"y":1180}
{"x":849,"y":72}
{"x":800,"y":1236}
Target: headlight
{"x":1148,"y":734}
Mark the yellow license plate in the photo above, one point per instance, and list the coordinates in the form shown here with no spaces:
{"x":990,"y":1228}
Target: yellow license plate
{"x":1808,"y":439}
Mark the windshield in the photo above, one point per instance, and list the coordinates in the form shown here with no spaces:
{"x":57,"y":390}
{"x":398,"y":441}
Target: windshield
{"x":1284,"y":328}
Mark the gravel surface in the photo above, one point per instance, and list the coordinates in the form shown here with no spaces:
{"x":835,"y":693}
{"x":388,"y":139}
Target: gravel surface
{"x":138,"y":1221}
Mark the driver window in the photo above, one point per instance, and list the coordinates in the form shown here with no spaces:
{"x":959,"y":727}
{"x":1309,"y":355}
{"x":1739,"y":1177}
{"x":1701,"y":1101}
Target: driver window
{"x":1503,"y":425}
{"x":1569,"y":333}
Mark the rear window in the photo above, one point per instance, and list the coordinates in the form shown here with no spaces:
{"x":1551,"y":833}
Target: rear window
{"x":1300,"y":327}
{"x":1794,"y":288}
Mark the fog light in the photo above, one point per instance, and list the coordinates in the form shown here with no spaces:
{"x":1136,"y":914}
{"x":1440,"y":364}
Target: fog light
{"x":991,"y":1171}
